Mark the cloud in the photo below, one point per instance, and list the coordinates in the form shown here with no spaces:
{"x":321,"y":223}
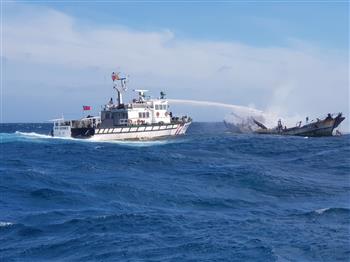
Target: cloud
{"x":57,"y":52}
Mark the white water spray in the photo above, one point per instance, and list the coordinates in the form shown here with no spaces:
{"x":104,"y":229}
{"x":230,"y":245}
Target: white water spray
{"x":236,"y":108}
{"x":240,"y":115}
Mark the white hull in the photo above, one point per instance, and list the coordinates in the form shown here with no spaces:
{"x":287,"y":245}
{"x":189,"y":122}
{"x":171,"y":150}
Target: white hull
{"x":139,"y":133}
{"x":127,"y":132}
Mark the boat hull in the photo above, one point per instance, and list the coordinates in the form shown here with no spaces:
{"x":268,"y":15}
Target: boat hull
{"x":317,"y":128}
{"x":327,"y":131}
{"x":142,"y":132}
{"x":320,"y":128}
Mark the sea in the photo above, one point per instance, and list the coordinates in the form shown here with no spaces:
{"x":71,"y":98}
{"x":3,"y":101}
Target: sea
{"x":209,"y":195}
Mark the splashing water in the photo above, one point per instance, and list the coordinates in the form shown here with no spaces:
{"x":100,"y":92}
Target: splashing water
{"x":240,"y":116}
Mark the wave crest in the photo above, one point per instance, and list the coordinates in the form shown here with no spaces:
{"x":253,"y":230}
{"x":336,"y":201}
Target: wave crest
{"x":5,"y":224}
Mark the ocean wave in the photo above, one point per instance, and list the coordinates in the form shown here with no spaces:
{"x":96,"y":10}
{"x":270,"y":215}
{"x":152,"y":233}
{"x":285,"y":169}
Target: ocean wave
{"x":5,"y":224}
{"x":19,"y":136}
{"x":32,"y":134}
{"x":46,"y":193}
{"x":332,"y":210}
{"x":205,"y":196}
{"x":327,"y":212}
{"x":321,"y":210}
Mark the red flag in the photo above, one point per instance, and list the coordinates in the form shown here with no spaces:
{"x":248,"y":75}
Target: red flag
{"x":115,"y":76}
{"x":86,"y":108}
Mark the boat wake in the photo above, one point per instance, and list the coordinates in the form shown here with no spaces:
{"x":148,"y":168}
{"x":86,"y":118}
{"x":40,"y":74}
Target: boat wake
{"x":37,"y":137}
{"x":136,"y":143}
{"x":32,"y":134}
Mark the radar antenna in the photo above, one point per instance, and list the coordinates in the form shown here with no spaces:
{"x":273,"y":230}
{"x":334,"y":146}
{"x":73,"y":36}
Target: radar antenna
{"x":162,"y":95}
{"x":141,"y":93}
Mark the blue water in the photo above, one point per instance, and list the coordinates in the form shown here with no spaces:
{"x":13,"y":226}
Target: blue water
{"x":206,"y":196}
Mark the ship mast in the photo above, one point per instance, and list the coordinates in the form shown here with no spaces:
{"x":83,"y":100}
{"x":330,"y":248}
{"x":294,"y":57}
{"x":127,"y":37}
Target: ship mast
{"x":119,"y":87}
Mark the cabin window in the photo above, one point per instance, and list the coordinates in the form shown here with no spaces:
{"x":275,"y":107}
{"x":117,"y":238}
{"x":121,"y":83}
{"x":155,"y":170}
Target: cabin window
{"x":157,"y":107}
{"x":143,"y":114}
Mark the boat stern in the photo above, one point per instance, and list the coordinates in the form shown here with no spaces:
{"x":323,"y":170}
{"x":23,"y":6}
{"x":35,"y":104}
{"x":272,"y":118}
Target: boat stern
{"x":61,"y":128}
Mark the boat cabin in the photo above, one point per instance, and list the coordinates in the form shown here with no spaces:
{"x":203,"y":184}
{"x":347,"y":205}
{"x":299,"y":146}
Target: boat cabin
{"x":140,"y":111}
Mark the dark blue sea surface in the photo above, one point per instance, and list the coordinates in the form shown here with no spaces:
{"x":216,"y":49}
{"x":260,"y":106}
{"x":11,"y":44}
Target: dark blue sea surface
{"x":207,"y":196}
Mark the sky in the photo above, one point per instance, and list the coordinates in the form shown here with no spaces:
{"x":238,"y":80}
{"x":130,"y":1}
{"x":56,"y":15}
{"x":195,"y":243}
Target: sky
{"x":290,"y":58}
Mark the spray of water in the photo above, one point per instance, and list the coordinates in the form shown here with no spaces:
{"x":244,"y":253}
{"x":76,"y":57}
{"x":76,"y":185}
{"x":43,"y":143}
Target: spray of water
{"x":236,"y":108}
{"x":240,"y":116}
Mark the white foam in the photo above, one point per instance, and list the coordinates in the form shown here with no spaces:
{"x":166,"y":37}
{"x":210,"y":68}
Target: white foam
{"x":32,"y":134}
{"x":322,"y":210}
{"x":42,"y":136}
{"x":5,"y":224}
{"x":136,"y":143}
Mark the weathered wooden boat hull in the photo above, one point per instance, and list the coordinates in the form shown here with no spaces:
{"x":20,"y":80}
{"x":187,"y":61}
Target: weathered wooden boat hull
{"x":320,"y":128}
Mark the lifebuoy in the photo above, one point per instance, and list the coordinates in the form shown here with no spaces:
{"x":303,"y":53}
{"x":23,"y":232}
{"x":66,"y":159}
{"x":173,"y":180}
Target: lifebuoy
{"x":130,"y":121}
{"x":157,"y":114}
{"x":138,"y":121}
{"x":166,"y":113}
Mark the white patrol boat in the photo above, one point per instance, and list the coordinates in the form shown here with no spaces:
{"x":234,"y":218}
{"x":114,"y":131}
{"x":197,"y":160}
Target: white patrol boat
{"x":143,"y":118}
